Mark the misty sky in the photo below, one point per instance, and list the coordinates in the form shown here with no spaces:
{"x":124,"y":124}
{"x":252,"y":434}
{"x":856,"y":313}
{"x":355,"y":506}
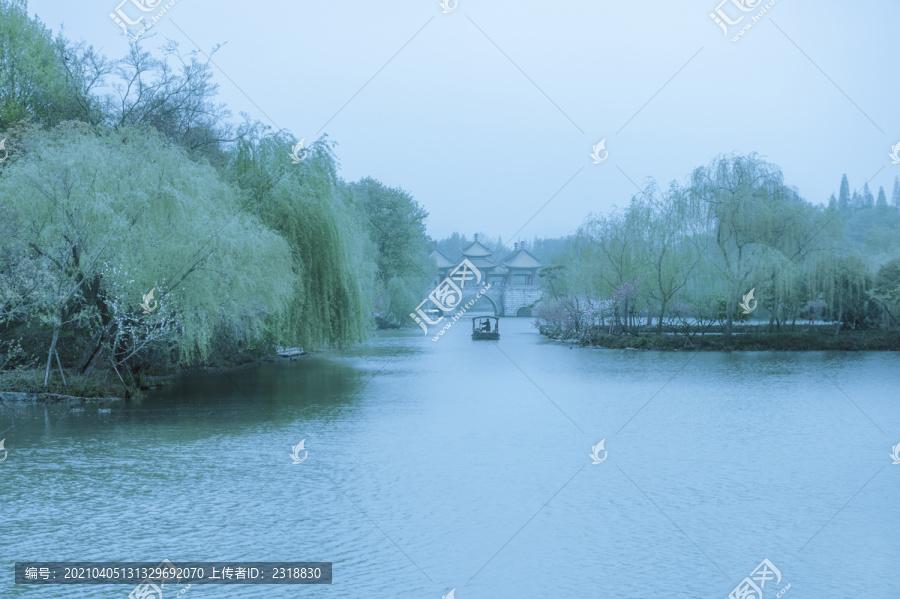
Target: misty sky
{"x":486,"y":113}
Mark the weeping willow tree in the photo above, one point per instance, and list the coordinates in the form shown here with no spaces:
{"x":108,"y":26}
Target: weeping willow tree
{"x":110,"y":216}
{"x":887,"y":291}
{"x":612,"y":262}
{"x":617,"y":240}
{"x":577,"y":271}
{"x":698,"y":248}
{"x":671,"y":239}
{"x":845,"y":286}
{"x":332,"y":268}
{"x":799,"y":236}
{"x":651,"y":248}
{"x":757,"y":223}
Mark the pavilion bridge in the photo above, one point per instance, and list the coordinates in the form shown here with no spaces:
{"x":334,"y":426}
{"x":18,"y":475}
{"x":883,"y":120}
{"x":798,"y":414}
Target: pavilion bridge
{"x":514,"y":280}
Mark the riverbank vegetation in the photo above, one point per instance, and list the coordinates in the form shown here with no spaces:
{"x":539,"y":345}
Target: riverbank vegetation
{"x":143,"y":230}
{"x":683,"y":266}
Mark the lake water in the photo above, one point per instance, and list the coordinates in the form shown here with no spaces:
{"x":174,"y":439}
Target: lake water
{"x":465,"y":465}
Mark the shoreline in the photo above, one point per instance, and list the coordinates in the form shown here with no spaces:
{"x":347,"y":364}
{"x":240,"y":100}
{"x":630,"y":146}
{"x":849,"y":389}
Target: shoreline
{"x":22,"y":397}
{"x":158,"y":381}
{"x":808,"y":340}
{"x":850,"y":341}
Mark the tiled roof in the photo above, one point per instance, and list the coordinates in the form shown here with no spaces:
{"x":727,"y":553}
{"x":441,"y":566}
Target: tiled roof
{"x":482,"y":263}
{"x":441,"y":260}
{"x":522,"y":259}
{"x":476,"y":250}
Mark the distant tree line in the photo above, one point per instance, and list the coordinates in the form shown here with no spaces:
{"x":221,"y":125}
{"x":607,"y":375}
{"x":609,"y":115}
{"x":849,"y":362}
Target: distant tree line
{"x":683,"y":258}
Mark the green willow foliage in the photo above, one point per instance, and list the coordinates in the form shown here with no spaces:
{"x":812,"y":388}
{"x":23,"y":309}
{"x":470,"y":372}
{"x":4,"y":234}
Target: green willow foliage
{"x":695,"y":249}
{"x":106,"y":197}
{"x":332,"y":268}
{"x":42,"y":78}
{"x":110,"y":215}
{"x":887,"y":288}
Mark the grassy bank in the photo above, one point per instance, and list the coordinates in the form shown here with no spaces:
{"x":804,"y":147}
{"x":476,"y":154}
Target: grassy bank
{"x":810,"y":340}
{"x":105,"y":384}
{"x":32,"y":381}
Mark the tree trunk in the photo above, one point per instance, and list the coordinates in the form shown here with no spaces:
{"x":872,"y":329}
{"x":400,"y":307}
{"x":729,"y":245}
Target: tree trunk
{"x":662,"y":312}
{"x":61,"y":373}
{"x":127,"y":392}
{"x":729,"y":321}
{"x":91,"y":359}
{"x":88,"y":356}
{"x":93,"y":355}
{"x":51,"y":352}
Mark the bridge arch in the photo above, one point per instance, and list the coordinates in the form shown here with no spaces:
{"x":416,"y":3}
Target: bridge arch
{"x":524,"y":310}
{"x":473,"y":294}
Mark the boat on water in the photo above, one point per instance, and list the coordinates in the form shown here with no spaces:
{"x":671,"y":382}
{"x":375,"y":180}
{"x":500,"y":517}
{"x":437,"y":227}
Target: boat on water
{"x":289,"y":352}
{"x":482,"y":329}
